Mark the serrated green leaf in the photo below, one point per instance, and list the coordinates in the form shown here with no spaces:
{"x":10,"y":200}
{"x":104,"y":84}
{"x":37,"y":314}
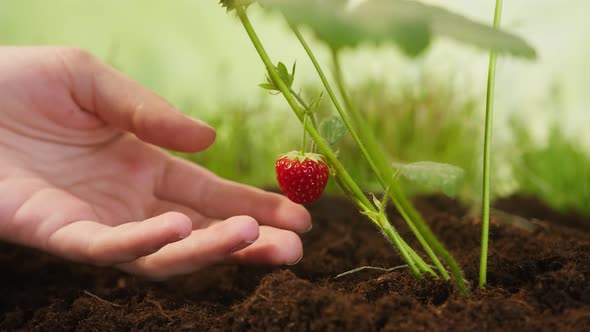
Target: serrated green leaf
{"x":333,"y":130}
{"x":410,"y":24}
{"x":437,"y":176}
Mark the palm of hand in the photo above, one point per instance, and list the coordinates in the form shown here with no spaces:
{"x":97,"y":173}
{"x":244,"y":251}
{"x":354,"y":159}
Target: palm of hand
{"x":74,"y":182}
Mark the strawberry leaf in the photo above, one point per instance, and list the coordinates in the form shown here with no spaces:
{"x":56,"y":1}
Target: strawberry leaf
{"x":410,"y":24}
{"x":333,"y":130}
{"x":284,"y":74}
{"x":436,"y":176}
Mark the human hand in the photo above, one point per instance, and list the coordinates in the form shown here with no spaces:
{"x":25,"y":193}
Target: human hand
{"x":81,"y":176}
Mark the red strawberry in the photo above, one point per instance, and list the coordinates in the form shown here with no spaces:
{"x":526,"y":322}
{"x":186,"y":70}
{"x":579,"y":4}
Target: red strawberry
{"x":302,"y":177}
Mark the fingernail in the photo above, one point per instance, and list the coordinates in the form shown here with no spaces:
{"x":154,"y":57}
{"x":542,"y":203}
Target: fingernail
{"x":202,"y":123}
{"x":241,"y":246}
{"x":297,"y":261}
{"x":308,"y":229}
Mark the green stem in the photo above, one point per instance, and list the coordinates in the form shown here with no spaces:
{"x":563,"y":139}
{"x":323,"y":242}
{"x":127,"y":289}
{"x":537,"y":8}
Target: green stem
{"x":368,"y":156}
{"x":345,"y":118}
{"x":304,"y":140}
{"x":419,"y":261}
{"x":403,"y":205}
{"x":402,"y":247}
{"x":384,"y":166}
{"x":487,"y":148}
{"x":343,"y":115}
{"x":274,"y":76}
{"x":305,"y":106}
{"x":413,"y":218}
{"x":299,"y":98}
{"x":344,"y":178}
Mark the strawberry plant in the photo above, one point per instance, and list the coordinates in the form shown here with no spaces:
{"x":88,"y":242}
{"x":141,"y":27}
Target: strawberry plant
{"x":339,"y":24}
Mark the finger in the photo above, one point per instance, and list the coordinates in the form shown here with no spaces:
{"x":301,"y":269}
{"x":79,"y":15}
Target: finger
{"x":100,"y":89}
{"x":202,"y":248}
{"x":191,"y":185}
{"x":96,"y":243}
{"x":273,"y":247}
{"x":198,"y":220}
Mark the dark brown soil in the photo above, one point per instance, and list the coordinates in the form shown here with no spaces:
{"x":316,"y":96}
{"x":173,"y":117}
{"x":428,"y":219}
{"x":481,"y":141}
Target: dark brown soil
{"x":539,"y":279}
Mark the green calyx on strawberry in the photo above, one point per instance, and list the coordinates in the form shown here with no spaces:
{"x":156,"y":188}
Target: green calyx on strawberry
{"x":302,"y":176}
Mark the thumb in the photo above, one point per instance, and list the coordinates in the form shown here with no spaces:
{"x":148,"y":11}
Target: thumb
{"x":123,"y":103}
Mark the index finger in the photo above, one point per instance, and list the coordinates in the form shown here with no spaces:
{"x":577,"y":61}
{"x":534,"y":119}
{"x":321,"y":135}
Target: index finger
{"x":122,"y":103}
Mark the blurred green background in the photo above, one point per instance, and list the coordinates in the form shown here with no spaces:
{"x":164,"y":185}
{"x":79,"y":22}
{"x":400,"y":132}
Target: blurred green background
{"x":430,"y":108}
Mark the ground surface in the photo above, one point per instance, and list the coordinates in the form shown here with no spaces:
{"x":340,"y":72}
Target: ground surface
{"x":539,"y":280}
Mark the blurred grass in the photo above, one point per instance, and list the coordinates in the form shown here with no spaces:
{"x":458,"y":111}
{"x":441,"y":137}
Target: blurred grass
{"x":556,"y":171}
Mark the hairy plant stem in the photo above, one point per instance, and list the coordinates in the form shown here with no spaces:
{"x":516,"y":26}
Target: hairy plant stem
{"x":422,"y":265}
{"x":377,"y":170}
{"x":304,"y":140}
{"x":422,"y":232}
{"x":344,"y":178}
{"x":305,"y":106}
{"x":381,"y":168}
{"x":487,"y":148}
